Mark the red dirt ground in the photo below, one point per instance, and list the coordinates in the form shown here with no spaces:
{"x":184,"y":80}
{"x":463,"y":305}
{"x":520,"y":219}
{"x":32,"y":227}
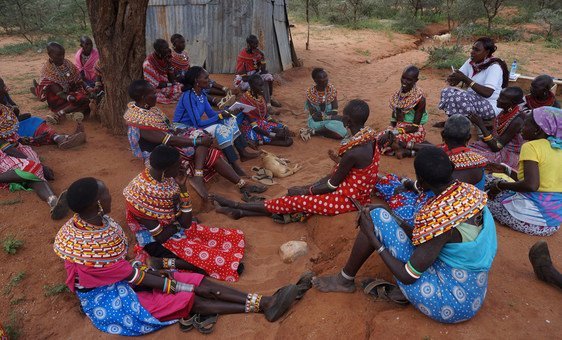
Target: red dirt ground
{"x":517,"y":306}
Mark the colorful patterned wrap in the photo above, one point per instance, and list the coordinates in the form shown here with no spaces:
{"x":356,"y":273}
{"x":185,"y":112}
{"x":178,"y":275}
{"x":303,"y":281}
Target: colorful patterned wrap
{"x":258,"y":117}
{"x":82,"y":243}
{"x":459,"y":202}
{"x":464,"y":158}
{"x":154,"y":199}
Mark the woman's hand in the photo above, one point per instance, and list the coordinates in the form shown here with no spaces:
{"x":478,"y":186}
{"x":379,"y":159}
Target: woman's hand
{"x":317,"y":116}
{"x":366,"y":225}
{"x":476,"y":120}
{"x":296,"y":191}
{"x":457,"y":77}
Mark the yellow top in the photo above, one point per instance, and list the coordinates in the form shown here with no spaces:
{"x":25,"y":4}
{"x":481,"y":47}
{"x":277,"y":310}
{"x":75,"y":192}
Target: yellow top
{"x":550,"y":164}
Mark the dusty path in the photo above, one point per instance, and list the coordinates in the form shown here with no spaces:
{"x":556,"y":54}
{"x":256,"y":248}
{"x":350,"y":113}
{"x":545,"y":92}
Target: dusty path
{"x":517,"y":305}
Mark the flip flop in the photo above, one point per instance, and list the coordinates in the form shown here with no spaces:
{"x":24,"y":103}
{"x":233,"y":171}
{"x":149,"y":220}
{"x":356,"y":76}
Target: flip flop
{"x":284,"y":298}
{"x":248,"y":198}
{"x":305,"y":134}
{"x":304,"y":284}
{"x":205,"y":324}
{"x":186,"y":324}
{"x":73,"y":141}
{"x":380,"y":290}
{"x":263,"y":176}
{"x":253,"y":188}
{"x":61,"y":207}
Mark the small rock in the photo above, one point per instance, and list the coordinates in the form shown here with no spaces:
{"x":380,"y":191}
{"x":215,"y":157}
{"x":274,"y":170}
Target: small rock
{"x":291,"y":250}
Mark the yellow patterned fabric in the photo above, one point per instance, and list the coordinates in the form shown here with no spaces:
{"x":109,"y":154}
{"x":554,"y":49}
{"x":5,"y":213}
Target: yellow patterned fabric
{"x":456,"y":204}
{"x":8,"y":124}
{"x":153,"y":199}
{"x":151,"y":119}
{"x":95,"y":246}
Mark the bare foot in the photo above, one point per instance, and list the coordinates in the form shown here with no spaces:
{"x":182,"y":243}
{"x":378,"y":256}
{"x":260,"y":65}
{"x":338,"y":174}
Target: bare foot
{"x":197,"y":184}
{"x":225,"y":202}
{"x":334,"y":283}
{"x":230,"y":212}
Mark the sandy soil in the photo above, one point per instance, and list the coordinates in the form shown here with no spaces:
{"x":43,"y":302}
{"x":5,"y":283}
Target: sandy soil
{"x":517,"y":306}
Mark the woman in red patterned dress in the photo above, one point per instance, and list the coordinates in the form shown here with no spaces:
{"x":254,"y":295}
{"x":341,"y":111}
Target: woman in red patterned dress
{"x":159,"y":213}
{"x":257,"y":125}
{"x":353,"y":177}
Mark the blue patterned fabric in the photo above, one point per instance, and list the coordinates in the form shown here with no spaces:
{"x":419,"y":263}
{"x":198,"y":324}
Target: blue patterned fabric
{"x":443,"y":293}
{"x":115,"y":309}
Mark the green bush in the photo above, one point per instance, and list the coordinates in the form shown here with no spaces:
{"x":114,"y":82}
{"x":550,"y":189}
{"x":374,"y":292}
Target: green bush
{"x":55,"y":289}
{"x":407,"y":24}
{"x":446,"y":56}
{"x":11,"y":245}
{"x":477,"y":30}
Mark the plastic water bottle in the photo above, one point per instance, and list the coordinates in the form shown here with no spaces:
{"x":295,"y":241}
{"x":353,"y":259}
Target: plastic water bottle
{"x":513,"y":69}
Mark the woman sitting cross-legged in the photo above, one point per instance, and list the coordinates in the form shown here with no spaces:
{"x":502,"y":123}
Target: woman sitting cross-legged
{"x":149,"y":127}
{"x":159,"y":213}
{"x":441,"y":263}
{"x":352,"y":178}
{"x":404,"y":195}
{"x":503,"y":144}
{"x":257,"y":125}
{"x":123,"y":299}
{"x":533,"y":203}
{"x":21,"y":168}
{"x":322,"y":107}
{"x":193,"y":105}
{"x":409,"y":114}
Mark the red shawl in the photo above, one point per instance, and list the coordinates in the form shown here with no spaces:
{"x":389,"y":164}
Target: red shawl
{"x":533,"y":103}
{"x":247,"y":62}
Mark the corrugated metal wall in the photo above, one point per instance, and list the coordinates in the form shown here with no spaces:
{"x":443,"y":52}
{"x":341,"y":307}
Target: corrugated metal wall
{"x":216,"y":30}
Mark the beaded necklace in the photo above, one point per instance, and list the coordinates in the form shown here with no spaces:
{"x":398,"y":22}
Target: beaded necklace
{"x":152,"y":118}
{"x":64,"y":75}
{"x":259,"y":103}
{"x":200,"y":97}
{"x":464,"y":158}
{"x":365,"y":135}
{"x":406,"y":101}
{"x":504,"y":119}
{"x":8,"y":124}
{"x":321,"y":97}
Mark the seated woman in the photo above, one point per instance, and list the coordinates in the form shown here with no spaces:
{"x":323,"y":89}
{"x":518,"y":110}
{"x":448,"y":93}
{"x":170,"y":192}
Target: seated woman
{"x":180,"y":64}
{"x":352,"y":178}
{"x":165,"y":229}
{"x":21,"y":168}
{"x":503,"y":144}
{"x":120,"y":298}
{"x":35,"y":131}
{"x":440,"y":263}
{"x":533,"y":203}
{"x":222,"y":125}
{"x":62,"y":87}
{"x":541,"y":94}
{"x":251,"y":60}
{"x":149,"y":127}
{"x":257,"y":125}
{"x":322,"y":107}
{"x":158,"y":71}
{"x":404,"y":196}
{"x":484,"y":75}
{"x":85,"y":60}
{"x":409,"y":114}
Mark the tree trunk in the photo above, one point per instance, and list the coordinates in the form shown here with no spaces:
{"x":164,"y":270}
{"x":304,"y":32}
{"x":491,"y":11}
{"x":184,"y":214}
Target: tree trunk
{"x":118,"y":27}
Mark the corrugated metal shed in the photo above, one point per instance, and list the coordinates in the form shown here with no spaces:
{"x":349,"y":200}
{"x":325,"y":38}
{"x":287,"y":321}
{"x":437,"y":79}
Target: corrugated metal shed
{"x":216,"y":30}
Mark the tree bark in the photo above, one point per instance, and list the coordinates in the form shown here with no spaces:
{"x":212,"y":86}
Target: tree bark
{"x":118,"y":27}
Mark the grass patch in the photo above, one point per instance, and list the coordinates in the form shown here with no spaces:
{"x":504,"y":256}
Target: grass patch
{"x":407,"y":24}
{"x":22,"y":47}
{"x":17,"y":301}
{"x":555,"y":43}
{"x":11,"y":201}
{"x":13,"y":282}
{"x":12,"y":327}
{"x":365,"y":53}
{"x":446,"y":56}
{"x":498,"y":32}
{"x":55,"y":289}
{"x":11,"y":245}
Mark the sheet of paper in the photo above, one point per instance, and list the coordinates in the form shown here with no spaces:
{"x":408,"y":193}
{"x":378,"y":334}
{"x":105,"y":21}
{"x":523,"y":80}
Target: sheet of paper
{"x":244,"y":107}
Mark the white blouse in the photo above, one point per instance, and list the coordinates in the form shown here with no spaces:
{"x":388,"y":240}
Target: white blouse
{"x":491,"y":77}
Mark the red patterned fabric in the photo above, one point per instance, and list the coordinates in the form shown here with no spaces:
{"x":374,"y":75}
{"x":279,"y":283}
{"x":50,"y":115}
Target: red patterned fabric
{"x":357,"y":184}
{"x":155,"y":71}
{"x":247,"y":62}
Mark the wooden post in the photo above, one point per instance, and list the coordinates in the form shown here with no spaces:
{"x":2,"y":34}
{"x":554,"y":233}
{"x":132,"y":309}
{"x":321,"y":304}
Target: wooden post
{"x":308,"y":28}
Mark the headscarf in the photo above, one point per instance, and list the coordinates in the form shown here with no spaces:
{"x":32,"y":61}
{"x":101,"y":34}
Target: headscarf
{"x":89,"y":66}
{"x":549,"y":119}
{"x":456,"y":204}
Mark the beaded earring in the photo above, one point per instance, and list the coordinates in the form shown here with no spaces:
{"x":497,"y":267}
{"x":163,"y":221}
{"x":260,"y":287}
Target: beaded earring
{"x":100,"y":209}
{"x":163,"y":176}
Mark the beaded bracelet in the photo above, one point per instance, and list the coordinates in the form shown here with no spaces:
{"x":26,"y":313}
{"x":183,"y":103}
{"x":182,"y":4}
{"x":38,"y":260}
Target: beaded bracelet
{"x":412,"y":271}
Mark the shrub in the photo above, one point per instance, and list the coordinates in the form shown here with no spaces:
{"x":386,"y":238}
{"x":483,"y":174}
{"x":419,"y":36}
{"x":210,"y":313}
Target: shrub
{"x":13,"y":282}
{"x":446,"y":56}
{"x":407,"y":24}
{"x":11,"y":245}
{"x":55,"y":289}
